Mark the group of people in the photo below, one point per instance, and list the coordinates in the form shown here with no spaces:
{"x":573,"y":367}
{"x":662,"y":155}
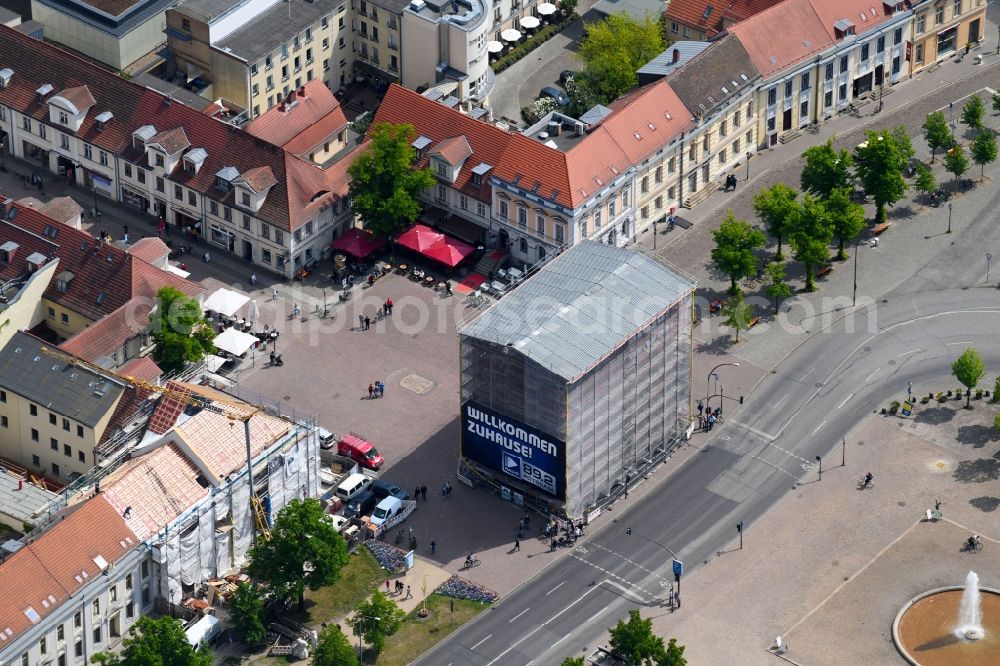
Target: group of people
{"x":445,"y":489}
{"x":376,"y":390}
{"x":707,"y":417}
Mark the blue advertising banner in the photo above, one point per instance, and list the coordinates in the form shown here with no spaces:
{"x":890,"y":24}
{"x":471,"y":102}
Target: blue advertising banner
{"x":511,"y":447}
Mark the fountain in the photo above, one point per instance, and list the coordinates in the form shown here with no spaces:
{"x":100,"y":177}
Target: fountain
{"x":950,"y":625}
{"x":970,"y":614}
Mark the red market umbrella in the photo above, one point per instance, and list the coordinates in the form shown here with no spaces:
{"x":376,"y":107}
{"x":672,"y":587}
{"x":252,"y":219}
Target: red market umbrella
{"x":419,"y":237}
{"x":450,"y":251}
{"x":358,"y":243}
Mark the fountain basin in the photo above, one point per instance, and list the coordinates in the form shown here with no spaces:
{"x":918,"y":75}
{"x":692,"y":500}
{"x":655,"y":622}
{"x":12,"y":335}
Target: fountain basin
{"x":924,"y":630}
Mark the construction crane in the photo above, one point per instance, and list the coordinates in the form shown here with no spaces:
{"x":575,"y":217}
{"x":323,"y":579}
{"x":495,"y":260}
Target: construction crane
{"x":238,"y":413}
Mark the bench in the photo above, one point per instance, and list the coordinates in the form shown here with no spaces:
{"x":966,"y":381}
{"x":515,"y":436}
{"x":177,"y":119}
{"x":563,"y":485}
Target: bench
{"x":753,"y":322}
{"x":823,"y":270}
{"x":878,"y":229}
{"x":302,"y":273}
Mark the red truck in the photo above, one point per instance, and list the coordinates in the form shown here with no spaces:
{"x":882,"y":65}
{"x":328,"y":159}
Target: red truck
{"x":360,"y":450}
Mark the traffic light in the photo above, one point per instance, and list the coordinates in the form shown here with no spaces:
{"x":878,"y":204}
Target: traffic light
{"x":677,"y":577}
{"x":628,"y":531}
{"x":739,"y":526}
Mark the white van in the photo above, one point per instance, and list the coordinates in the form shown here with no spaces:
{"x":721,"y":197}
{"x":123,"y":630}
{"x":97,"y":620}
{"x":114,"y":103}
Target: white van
{"x":386,"y":509}
{"x":353,"y":485}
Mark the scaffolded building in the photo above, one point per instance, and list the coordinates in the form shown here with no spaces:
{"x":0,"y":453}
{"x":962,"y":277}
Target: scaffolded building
{"x":578,"y":380}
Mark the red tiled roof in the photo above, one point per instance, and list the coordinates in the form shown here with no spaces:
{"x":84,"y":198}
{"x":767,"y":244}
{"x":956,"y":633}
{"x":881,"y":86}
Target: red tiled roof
{"x":692,"y":12}
{"x":143,"y":368}
{"x":36,"y":63}
{"x":78,"y":96}
{"x":97,"y":268}
{"x":316,"y":116}
{"x":149,"y":249}
{"x":803,"y":35}
{"x":61,"y":209}
{"x":109,"y":333}
{"x":222,"y":448}
{"x":168,"y":409}
{"x":172,"y":141}
{"x":874,"y":13}
{"x":259,"y":179}
{"x":44,"y":574}
{"x":453,"y":151}
{"x":159,"y":485}
{"x":130,"y":402}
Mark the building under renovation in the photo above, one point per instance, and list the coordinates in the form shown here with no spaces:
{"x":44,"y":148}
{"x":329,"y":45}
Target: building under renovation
{"x":579,"y":379}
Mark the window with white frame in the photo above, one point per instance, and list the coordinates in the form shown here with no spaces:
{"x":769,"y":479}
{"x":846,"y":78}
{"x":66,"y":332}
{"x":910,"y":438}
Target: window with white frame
{"x":540,"y":224}
{"x":522,"y":216}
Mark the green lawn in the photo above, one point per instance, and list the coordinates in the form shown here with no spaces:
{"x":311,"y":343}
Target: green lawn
{"x":417,"y":635}
{"x":357,"y":581}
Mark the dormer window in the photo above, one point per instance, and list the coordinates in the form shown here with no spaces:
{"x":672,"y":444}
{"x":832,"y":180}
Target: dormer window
{"x":63,"y":118}
{"x":442,"y":169}
{"x":420,"y":145}
{"x":222,"y":184}
{"x":245,"y":199}
{"x":479,"y":172}
{"x":194,"y":159}
{"x":224,"y":178}
{"x":142,"y":135}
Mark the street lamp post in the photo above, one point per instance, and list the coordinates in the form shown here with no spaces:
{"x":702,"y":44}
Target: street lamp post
{"x":739,"y":528}
{"x":324,"y":303}
{"x":361,"y":649}
{"x":988,"y":257}
{"x":949,"y":218}
{"x":708,"y":381}
{"x":3,"y":156}
{"x":749,"y":155}
{"x":654,"y":235}
{"x":843,"y":451}
{"x":854,"y":297}
{"x":819,"y":459}
{"x":998,"y":40}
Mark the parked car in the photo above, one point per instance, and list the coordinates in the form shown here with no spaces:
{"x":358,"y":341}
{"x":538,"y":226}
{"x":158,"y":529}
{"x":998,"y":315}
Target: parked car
{"x":361,"y":451}
{"x":361,"y":505}
{"x":383,"y":489}
{"x":326,"y":439}
{"x":338,"y":522}
{"x":561,"y":98}
{"x":352,"y":486}
{"x":386,"y":509}
{"x":566,"y":75}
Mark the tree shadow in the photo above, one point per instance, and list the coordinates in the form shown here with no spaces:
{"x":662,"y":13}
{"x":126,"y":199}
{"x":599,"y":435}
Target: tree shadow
{"x":977,"y":435}
{"x":902,"y":212}
{"x":978,"y":471}
{"x":718,"y":346}
{"x":935,"y":415}
{"x":986,"y":504}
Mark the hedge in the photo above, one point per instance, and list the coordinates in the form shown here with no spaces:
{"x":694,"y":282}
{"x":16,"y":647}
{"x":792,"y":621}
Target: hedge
{"x":531,"y":44}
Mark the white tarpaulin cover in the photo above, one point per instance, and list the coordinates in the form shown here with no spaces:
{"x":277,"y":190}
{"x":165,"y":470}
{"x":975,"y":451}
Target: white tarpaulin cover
{"x":226,"y":301}
{"x":213,"y":362}
{"x":233,"y":341}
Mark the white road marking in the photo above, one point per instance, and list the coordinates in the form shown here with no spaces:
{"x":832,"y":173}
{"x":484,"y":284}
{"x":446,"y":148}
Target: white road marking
{"x":518,"y":615}
{"x":481,"y":642}
{"x":781,"y":401}
{"x":561,"y":640}
{"x":596,"y":615}
{"x":624,"y":590}
{"x":809,"y":372}
{"x":818,"y":427}
{"x":845,"y":401}
{"x":759,"y":433}
{"x":949,"y":344}
{"x":539,"y":627}
{"x":912,"y":351}
{"x":555,"y":588}
{"x":869,"y":377}
{"x":772,"y":465}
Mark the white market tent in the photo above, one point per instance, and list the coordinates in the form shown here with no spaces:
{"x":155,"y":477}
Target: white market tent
{"x":226,"y":301}
{"x":235,"y":342}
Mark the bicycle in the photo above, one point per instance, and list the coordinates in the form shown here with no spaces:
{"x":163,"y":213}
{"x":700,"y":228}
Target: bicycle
{"x":812,"y":128}
{"x":471,"y":562}
{"x":973,"y":544}
{"x":864,"y":483}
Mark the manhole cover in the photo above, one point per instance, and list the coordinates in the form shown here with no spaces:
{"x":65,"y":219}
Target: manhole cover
{"x":417,"y":384}
{"x":286,"y":397}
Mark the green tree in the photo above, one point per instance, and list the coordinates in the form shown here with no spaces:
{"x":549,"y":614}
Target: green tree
{"x":333,"y":649}
{"x":304,"y":550}
{"x":774,"y":283}
{"x":385,"y":186}
{"x":635,"y":642}
{"x":996,"y":102}
{"x":902,"y":137}
{"x":968,"y":369}
{"x":846,"y":218}
{"x":376,"y":619}
{"x":810,"y":240}
{"x":582,"y":95}
{"x":675,"y":655}
{"x":776,"y":207}
{"x":568,"y":6}
{"x":984,"y":150}
{"x":996,"y":422}
{"x":955,"y":162}
{"x":973,"y":113}
{"x":735,"y":241}
{"x":179,"y":330}
{"x":826,"y":169}
{"x":159,"y":642}
{"x":580,"y":661}
{"x":879,"y":163}
{"x":614,"y":48}
{"x":925,"y":181}
{"x":937,"y":134}
{"x":246,"y":611}
{"x":736,"y":314}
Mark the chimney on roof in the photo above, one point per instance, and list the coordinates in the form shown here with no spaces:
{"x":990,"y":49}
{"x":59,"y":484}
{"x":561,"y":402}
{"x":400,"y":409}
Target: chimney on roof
{"x":168,"y":100}
{"x":43,"y":91}
{"x":281,"y":107}
{"x":302,"y":91}
{"x":5,"y":75}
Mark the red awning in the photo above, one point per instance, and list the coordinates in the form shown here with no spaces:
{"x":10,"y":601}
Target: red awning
{"x":358,"y":243}
{"x":449,"y":251}
{"x":419,"y":237}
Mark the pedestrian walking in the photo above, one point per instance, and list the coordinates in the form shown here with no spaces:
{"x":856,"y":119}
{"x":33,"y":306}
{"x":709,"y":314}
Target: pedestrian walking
{"x":433,"y":546}
{"x":388,"y":303}
{"x":909,"y":390}
{"x":527,"y":521}
{"x":423,"y":491}
{"x":517,"y":545}
{"x":386,"y":584}
{"x":253,"y":279}
{"x":711,"y":422}
{"x":361,"y":321}
{"x":385,"y":309}
{"x":701,"y":408}
{"x":408,"y":594}
{"x":371,"y":391}
{"x":416,"y":493}
{"x":368,"y":323}
{"x":413,"y":543}
{"x":381,"y":390}
{"x":701,"y":422}
{"x":274,"y":295}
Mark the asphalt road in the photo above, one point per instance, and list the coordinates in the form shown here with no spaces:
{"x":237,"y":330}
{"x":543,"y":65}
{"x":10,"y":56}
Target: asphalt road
{"x":812,"y":399}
